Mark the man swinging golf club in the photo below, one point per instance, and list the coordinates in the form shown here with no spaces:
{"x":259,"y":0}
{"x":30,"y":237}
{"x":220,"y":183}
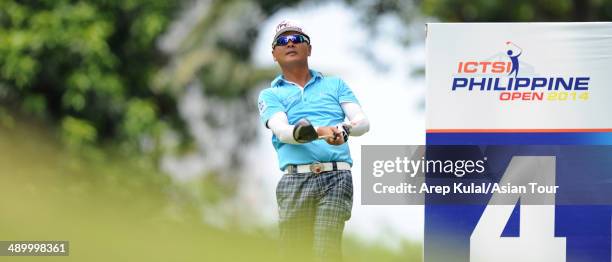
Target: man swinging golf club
{"x":306,"y":112}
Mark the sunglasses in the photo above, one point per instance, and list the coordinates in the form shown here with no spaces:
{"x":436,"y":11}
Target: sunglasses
{"x":296,"y":39}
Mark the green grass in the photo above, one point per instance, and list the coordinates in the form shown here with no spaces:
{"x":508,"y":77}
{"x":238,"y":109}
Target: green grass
{"x":115,"y":207}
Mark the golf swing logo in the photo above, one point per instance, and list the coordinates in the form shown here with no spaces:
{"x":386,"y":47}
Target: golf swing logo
{"x":514,"y":58}
{"x":502,"y":77}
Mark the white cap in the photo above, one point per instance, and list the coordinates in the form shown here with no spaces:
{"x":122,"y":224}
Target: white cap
{"x":288,"y":26}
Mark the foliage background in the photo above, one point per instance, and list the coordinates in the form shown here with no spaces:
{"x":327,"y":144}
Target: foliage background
{"x":90,"y":103}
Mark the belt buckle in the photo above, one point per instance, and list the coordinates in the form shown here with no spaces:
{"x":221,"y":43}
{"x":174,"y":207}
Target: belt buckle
{"x":316,"y":167}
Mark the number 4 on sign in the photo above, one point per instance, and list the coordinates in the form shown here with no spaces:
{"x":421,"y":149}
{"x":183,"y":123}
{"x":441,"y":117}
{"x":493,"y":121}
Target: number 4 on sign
{"x":536,"y":241}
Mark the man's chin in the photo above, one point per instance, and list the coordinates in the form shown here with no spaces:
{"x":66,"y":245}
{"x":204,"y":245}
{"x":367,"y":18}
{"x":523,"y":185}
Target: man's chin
{"x":294,"y":62}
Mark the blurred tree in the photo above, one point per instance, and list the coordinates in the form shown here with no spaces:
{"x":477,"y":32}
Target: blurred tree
{"x":87,"y":65}
{"x":216,"y":49}
{"x":518,"y":11}
{"x":211,"y":72}
{"x":491,"y":11}
{"x":417,"y":11}
{"x":95,"y":66}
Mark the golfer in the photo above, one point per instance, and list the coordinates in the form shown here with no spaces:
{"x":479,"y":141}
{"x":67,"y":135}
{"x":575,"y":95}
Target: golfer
{"x":306,"y":113}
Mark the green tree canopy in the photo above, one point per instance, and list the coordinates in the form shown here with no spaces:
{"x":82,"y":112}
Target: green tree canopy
{"x":86,"y":64}
{"x":518,"y":10}
{"x":94,"y":67}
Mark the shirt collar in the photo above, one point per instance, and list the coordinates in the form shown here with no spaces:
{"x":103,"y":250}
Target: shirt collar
{"x":279,"y":80}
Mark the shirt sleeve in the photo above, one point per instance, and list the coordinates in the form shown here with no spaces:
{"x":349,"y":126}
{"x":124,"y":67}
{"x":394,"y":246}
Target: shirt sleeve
{"x":268,"y":104}
{"x":358,"y":121}
{"x":280,"y":126}
{"x":345,"y":94}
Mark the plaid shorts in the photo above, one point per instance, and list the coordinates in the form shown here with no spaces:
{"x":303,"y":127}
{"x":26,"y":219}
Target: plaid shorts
{"x":312,"y":211}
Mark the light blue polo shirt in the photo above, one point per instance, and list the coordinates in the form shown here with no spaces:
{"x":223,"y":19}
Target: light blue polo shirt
{"x":319,"y":102}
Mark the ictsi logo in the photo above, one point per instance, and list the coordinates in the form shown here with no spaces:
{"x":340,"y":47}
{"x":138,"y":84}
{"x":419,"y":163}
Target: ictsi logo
{"x":494,"y":67}
{"x":501,"y":73}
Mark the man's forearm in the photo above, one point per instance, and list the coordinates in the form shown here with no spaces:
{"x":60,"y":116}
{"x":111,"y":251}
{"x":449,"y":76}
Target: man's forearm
{"x":358,"y":121}
{"x":280,"y":126}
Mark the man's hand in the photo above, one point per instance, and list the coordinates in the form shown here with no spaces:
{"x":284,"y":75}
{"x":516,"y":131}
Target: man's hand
{"x":334,"y":136}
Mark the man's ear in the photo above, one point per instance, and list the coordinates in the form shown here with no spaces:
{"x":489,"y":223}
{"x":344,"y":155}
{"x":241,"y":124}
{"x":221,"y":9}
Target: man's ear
{"x":309,"y":49}
{"x":273,"y":57}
